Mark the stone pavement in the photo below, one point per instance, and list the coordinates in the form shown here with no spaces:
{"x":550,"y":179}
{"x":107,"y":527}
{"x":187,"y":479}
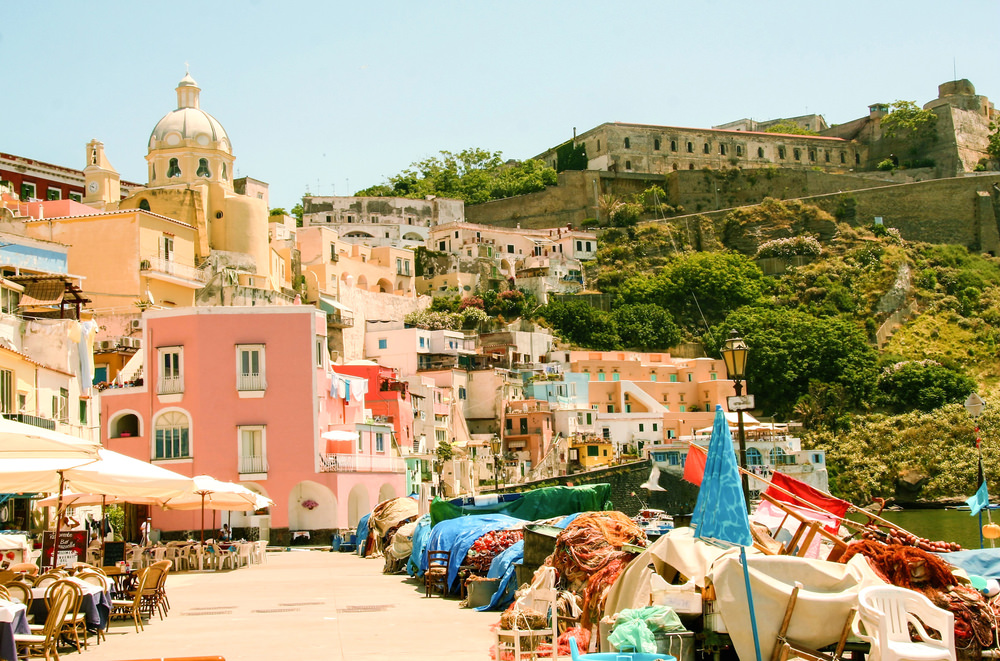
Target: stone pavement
{"x":302,"y":605}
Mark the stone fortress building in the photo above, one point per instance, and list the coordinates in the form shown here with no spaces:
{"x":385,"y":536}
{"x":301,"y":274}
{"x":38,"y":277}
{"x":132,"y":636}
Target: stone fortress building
{"x":381,"y":221}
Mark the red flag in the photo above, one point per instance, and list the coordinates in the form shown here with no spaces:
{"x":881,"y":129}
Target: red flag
{"x":694,"y":465}
{"x":805,"y":494}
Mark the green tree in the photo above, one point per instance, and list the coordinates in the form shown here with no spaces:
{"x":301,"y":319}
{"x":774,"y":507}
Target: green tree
{"x":790,"y":349}
{"x":297,"y":211}
{"x":646,"y":327}
{"x":788,"y":127}
{"x":699,"y":288}
{"x":582,"y":325}
{"x":993,"y":148}
{"x":474,"y":175}
{"x":278,"y":211}
{"x":922,"y":385}
{"x":911,"y":125}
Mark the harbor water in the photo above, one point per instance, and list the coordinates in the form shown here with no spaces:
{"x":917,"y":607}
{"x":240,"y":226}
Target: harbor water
{"x":949,"y":525}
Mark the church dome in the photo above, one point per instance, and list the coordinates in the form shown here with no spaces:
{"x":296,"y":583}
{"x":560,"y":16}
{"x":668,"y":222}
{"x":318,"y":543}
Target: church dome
{"x":189,"y":124}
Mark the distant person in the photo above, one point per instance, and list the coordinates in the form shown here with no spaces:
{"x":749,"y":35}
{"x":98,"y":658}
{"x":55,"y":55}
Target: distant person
{"x":225,"y":534}
{"x":144,"y":532}
{"x":107,"y":532}
{"x":69,"y":523}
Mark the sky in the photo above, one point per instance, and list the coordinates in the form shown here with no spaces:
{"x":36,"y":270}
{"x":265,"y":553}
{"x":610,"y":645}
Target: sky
{"x":330,"y":97}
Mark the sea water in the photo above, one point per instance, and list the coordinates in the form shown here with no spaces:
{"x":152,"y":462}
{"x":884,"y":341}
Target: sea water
{"x":946,"y":525}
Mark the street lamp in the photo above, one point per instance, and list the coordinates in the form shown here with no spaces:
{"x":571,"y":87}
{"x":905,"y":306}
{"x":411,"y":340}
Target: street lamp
{"x":495,"y":445}
{"x":734,"y":353}
{"x":974,"y":407}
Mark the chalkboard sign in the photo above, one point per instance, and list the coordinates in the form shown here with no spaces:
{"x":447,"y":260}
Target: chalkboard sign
{"x":114,"y":552}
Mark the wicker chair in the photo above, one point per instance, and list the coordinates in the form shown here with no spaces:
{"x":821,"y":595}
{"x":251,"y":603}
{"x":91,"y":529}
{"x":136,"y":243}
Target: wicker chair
{"x":122,"y":608}
{"x":436,"y":577}
{"x":45,"y":641}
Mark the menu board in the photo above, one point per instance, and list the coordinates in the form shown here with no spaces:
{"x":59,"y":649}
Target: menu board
{"x":114,"y":552}
{"x":72,"y":547}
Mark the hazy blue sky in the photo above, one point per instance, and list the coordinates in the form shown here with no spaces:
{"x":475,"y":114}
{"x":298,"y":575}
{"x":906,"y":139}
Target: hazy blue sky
{"x":335,"y":96}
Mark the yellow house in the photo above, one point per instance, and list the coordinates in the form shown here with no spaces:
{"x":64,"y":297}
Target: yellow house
{"x":591,"y":452}
{"x":127,"y":257}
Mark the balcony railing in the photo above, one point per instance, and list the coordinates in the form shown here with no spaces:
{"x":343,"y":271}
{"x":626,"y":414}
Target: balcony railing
{"x":253,"y":465}
{"x":160,"y":265}
{"x":360,"y":463}
{"x":44,"y":423}
{"x":170,"y":385}
{"x":251,"y":382}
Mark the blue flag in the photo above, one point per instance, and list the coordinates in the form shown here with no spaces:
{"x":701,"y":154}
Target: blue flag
{"x":980,"y":500}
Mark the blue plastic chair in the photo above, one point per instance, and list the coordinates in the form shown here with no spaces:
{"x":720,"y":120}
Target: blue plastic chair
{"x":616,"y":656}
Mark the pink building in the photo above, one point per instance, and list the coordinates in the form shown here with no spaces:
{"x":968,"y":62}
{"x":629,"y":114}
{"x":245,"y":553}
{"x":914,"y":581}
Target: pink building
{"x":246,"y":394}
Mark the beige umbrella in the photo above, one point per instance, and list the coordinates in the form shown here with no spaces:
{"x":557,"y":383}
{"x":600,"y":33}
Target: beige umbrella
{"x":209,"y":493}
{"x":18,"y":440}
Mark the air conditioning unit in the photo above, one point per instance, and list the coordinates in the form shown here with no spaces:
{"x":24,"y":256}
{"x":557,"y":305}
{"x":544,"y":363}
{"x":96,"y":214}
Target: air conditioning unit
{"x":135,"y":342}
{"x":106,"y":345}
{"x":136,"y":324}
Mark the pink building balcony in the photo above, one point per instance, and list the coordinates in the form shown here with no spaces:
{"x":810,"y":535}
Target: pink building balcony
{"x":360,"y":463}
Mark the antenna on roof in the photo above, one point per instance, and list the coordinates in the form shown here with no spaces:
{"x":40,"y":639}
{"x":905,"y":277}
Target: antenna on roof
{"x":187,"y":69}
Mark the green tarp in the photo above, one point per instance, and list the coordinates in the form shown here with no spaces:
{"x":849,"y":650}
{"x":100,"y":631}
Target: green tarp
{"x":533,"y":505}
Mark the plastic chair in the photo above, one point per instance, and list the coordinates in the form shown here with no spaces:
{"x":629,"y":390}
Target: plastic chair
{"x":436,"y":576}
{"x":885,"y":615}
{"x":616,"y":656}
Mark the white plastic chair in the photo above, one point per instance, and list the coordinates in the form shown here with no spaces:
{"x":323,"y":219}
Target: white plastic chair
{"x":541,"y":597}
{"x":884,"y":612}
{"x":260,"y":551}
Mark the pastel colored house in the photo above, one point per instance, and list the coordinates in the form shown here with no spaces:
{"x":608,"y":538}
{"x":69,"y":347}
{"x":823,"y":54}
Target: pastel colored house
{"x":246,"y":394}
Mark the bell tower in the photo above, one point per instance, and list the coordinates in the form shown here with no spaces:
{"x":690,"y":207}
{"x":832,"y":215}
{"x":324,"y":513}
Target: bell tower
{"x":103,"y":184}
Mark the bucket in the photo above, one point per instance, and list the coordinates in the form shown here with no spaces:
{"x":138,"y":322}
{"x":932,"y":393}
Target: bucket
{"x":539,"y":543}
{"x":481,"y":592}
{"x":335,"y":541}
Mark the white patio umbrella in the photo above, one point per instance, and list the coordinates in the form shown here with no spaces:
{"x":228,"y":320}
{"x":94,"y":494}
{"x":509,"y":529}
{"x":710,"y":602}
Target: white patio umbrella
{"x":18,"y":440}
{"x":207,"y":492}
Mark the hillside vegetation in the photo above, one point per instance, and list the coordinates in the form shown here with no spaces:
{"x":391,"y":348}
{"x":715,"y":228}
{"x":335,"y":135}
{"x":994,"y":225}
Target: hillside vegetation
{"x":890,"y":420}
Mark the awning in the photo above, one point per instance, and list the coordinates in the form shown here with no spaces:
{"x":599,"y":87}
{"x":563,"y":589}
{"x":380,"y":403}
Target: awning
{"x":43,"y":294}
{"x":332,"y":306}
{"x":339,"y":435}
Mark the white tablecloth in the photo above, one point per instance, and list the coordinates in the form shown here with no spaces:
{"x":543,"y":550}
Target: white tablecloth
{"x":9,"y":610}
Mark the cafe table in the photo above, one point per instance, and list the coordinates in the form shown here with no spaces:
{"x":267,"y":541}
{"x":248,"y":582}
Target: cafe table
{"x":13,"y":620}
{"x":96,"y":604}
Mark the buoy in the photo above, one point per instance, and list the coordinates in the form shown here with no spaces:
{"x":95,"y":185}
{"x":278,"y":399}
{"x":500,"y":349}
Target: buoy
{"x":991,"y":531}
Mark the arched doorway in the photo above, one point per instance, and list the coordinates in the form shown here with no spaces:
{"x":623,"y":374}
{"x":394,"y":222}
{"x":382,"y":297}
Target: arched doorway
{"x":311,"y":506}
{"x":384,"y":286}
{"x":358,"y":504}
{"x":387,"y":492}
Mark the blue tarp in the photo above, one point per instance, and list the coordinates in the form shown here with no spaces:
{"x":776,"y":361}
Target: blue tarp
{"x":363,"y":534}
{"x":976,"y":562}
{"x":420,"y":535}
{"x":458,"y":536}
{"x":503,"y":567}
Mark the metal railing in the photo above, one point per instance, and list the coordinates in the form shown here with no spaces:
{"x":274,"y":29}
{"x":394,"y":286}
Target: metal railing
{"x":170,"y":385}
{"x":360,"y":463}
{"x":251,"y":382}
{"x":160,"y":265}
{"x":254,"y":464}
{"x":44,"y":423}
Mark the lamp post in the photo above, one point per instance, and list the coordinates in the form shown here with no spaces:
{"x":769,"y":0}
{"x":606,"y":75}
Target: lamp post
{"x":495,"y":445}
{"x":974,"y":407}
{"x":734,"y":353}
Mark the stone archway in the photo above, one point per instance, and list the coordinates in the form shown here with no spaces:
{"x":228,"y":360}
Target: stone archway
{"x":358,"y":504}
{"x":311,"y":506}
{"x":384,"y":286}
{"x":387,"y":492}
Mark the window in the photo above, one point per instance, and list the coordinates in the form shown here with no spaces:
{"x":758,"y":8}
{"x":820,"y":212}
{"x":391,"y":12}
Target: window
{"x":60,"y":406}
{"x":579,"y":246}
{"x":722,"y":150}
{"x":671,"y":433}
{"x":171,"y":378}
{"x":250,"y":368}
{"x":461,"y":392}
{"x":588,"y":246}
{"x":739,"y":150}
{"x":611,"y":408}
{"x":510,"y":425}
{"x":598,"y":145}
{"x":628,"y":165}
{"x":673,"y":379}
{"x":320,"y":344}
{"x":7,"y":391}
{"x":655,"y":425}
{"x":593,"y":451}
{"x":812,"y":154}
{"x":605,"y":432}
{"x":690,"y":377}
{"x":683,"y":408}
{"x":641,"y":427}
{"x":379,"y":442}
{"x":166,"y":248}
{"x":674,"y":458}
{"x":53,"y":194}
{"x":253,"y":457}
{"x":713,"y":376}
{"x":690,"y":147}
{"x":754,"y":457}
{"x":590,"y":420}
{"x":656,"y":144}
{"x":781,"y":152}
{"x":673,"y":145}
{"x":76,"y":197}
{"x":172,"y":436}
{"x":423,"y":342}
{"x":225,"y":176}
{"x":442,"y":246}
{"x":203,"y":170}
{"x":524,"y":425}
{"x":797,"y":154}
{"x":510,"y":248}
{"x":173,"y":169}
{"x":628,"y":408}
{"x":384,"y":343}
{"x":84,"y":418}
{"x":601,"y":376}
{"x":27,"y":191}
{"x":705,"y":148}
{"x":760,"y":152}
{"x":842,"y":157}
{"x":857,"y":159}
{"x":144,"y":204}
{"x":616,"y":376}
{"x":627,"y":144}
{"x":826,"y":155}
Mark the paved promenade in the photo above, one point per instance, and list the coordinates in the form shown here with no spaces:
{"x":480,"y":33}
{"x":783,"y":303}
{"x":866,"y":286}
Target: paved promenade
{"x":302,"y":605}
